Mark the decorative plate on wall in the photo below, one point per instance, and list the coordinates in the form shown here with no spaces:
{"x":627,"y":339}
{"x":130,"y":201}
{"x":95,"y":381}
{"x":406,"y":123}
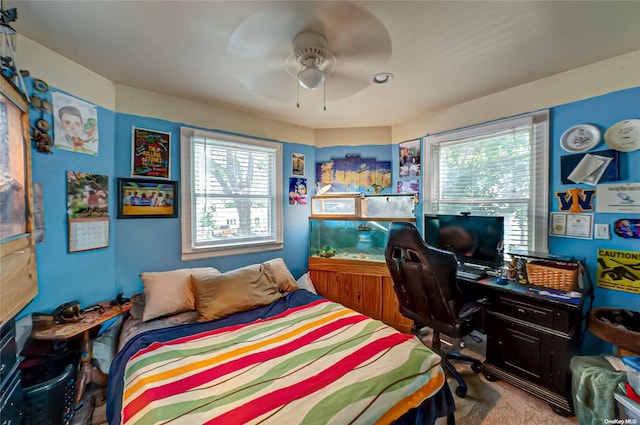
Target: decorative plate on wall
{"x":624,"y":136}
{"x":580,"y":138}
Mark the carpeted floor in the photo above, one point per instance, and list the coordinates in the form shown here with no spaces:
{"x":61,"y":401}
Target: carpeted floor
{"x":493,"y":403}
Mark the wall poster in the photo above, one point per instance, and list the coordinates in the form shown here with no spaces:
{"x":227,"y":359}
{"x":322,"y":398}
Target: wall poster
{"x":151,"y":153}
{"x":619,"y":270}
{"x":297,"y":164}
{"x":354,"y":174}
{"x":75,"y":124}
{"x":409,"y":160}
{"x":297,"y":191}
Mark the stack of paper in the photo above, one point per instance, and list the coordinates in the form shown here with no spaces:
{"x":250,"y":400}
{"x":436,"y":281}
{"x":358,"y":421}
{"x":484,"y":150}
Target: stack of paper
{"x":590,"y":169}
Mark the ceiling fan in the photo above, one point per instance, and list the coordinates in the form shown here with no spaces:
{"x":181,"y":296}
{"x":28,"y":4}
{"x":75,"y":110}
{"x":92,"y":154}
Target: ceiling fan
{"x":311,"y":62}
{"x":290,"y":46}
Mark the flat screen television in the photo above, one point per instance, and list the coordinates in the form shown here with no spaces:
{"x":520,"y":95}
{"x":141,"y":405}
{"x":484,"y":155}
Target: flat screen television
{"x":474,"y":239}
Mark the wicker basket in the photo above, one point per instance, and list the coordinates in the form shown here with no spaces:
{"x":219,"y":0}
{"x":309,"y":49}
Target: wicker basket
{"x":554,"y":276}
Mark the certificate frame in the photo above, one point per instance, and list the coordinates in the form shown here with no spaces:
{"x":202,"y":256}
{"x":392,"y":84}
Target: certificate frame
{"x":578,"y":226}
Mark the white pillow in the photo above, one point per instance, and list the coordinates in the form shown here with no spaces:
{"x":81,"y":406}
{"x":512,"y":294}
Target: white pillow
{"x":170,"y":292}
{"x":304,"y":282}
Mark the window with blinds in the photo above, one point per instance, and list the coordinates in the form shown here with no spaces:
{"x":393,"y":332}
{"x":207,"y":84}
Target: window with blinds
{"x":500,"y":169}
{"x":233,"y":194}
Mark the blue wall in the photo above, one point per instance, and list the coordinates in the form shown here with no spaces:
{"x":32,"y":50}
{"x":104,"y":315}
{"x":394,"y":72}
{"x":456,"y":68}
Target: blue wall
{"x":603,"y":112}
{"x":135,"y":245}
{"x":154,"y":244}
{"x":87,"y":276}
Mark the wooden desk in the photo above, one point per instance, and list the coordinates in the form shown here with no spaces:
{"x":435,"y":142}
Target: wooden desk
{"x":530,"y":338}
{"x":89,"y":321}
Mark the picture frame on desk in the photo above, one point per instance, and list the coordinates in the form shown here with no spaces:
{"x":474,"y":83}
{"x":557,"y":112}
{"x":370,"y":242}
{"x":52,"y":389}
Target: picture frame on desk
{"x":147,"y":198}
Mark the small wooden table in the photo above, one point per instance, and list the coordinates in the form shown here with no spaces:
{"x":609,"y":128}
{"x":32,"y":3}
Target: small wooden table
{"x":89,"y":320}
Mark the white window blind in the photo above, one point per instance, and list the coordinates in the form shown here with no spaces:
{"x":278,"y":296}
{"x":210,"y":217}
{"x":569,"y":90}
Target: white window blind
{"x":233,"y":194}
{"x":499,"y":169}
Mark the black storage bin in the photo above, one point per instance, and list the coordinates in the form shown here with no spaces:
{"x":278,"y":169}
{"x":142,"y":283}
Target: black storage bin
{"x":51,"y":402}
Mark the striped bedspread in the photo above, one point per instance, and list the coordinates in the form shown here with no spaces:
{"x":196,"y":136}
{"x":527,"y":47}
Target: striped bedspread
{"x":319,"y":363}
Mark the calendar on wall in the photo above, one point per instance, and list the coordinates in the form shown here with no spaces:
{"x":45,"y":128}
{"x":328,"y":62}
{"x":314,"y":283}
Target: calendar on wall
{"x":88,"y":233}
{"x":87,"y":211}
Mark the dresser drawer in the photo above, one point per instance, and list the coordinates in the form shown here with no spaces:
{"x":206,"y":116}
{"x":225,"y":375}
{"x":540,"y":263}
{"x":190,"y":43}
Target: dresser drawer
{"x":8,"y":349}
{"x":524,"y":311}
{"x":11,"y":400}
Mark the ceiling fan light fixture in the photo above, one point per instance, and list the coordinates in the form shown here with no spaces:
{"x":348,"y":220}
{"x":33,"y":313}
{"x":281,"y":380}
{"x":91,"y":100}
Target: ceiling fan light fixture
{"x":382,"y":78}
{"x":311,"y":78}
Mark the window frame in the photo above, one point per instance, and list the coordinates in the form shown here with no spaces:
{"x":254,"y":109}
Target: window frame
{"x":539,"y":198}
{"x":188,"y":249}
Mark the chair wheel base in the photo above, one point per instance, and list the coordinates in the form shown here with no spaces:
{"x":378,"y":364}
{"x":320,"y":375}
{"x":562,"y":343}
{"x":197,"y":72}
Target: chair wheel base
{"x":490,"y":378}
{"x":461,"y":392}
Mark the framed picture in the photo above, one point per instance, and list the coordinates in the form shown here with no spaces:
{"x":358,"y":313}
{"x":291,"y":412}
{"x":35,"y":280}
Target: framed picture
{"x":147,"y":198}
{"x":297,"y":164}
{"x":151,"y":153}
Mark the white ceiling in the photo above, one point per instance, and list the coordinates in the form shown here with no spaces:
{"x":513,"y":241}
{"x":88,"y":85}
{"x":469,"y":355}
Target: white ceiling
{"x":233,"y":52}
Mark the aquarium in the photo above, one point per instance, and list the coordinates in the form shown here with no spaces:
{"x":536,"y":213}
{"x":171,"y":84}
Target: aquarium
{"x":390,"y":206}
{"x":353,"y":239}
{"x":344,"y":204}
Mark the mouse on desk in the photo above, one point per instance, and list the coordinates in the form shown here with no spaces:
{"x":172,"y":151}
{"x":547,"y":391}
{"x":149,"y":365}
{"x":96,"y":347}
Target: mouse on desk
{"x":502,"y":281}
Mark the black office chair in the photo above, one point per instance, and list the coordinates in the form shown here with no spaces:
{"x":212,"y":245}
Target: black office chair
{"x":424,"y":280}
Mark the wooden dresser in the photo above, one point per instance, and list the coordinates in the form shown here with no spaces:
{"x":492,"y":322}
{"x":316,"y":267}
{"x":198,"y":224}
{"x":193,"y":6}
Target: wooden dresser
{"x":11,"y":400}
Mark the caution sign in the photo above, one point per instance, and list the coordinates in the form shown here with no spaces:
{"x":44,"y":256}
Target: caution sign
{"x":619,"y":270}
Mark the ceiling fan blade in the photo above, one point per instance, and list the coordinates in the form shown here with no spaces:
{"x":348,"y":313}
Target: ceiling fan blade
{"x":349,"y":28}
{"x":366,"y":50}
{"x":274,"y":84}
{"x":354,"y":33}
{"x":270,"y":32}
{"x":340,"y":86}
{"x":357,"y":39}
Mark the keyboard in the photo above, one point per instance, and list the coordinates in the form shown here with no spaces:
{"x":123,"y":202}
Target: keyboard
{"x":470,"y":272}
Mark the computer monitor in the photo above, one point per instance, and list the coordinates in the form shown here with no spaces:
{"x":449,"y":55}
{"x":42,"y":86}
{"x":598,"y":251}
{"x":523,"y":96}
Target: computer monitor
{"x":474,"y":239}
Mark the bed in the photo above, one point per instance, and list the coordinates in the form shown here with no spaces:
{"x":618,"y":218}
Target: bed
{"x":300,"y":359}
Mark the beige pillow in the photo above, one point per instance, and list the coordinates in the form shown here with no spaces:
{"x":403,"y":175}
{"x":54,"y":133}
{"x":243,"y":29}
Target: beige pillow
{"x":284,"y":278}
{"x":237,"y":290}
{"x":170,"y":292}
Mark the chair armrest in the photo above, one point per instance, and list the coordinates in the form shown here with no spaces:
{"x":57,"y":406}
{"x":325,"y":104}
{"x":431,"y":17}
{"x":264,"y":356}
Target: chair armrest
{"x":470,"y":308}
